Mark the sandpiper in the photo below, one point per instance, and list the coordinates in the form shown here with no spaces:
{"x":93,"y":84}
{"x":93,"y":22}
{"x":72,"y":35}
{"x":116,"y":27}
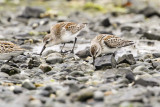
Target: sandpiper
{"x":106,"y":43}
{"x":8,"y":50}
{"x":62,"y":32}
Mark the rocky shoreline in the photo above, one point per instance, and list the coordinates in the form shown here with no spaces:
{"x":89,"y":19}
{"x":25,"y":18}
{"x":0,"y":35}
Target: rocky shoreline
{"x":131,"y":79}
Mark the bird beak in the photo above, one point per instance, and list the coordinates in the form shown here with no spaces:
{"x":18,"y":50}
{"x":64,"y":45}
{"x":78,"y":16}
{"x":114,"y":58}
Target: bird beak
{"x":93,"y":60}
{"x":44,"y":47}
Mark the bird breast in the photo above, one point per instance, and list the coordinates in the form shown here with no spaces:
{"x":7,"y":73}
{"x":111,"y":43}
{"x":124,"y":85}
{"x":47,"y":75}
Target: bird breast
{"x":68,"y":36}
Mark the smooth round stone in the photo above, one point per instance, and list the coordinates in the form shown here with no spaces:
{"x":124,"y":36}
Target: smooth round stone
{"x":98,"y":95}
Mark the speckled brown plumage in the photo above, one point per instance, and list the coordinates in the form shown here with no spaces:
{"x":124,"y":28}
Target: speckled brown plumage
{"x":6,"y":47}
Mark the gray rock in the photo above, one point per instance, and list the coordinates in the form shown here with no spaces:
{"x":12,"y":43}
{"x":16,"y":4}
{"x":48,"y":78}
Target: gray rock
{"x":156,"y":55}
{"x":45,"y":93}
{"x":148,"y":82}
{"x":17,"y":90}
{"x":77,"y":73}
{"x":82,"y":79}
{"x":20,"y":58}
{"x":106,"y":22}
{"x":150,"y":11}
{"x":113,"y":74}
{"x":140,"y":70}
{"x":51,"y":72}
{"x":45,"y":68}
{"x":28,"y":85}
{"x":130,"y":76}
{"x":83,"y":53}
{"x":31,"y":12}
{"x":73,"y":86}
{"x":83,"y":95}
{"x":129,"y":59}
{"x":9,"y":69}
{"x":106,"y":61}
{"x":54,"y":58}
{"x":98,"y":95}
{"x":34,"y":62}
{"x":152,"y":35}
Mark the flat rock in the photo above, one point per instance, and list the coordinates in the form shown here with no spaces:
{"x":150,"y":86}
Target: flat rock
{"x":31,"y":12}
{"x":106,"y":61}
{"x":83,"y":53}
{"x":54,"y":58}
{"x":129,"y":59}
{"x":10,"y":70}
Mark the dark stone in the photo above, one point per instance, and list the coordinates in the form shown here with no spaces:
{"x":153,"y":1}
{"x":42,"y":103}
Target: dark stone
{"x":51,"y":72}
{"x":34,"y":62}
{"x":84,"y":95}
{"x":150,"y":11}
{"x":45,"y":93}
{"x":54,"y":58}
{"x":45,"y":68}
{"x":106,"y":61}
{"x":9,"y":69}
{"x":130,"y":77}
{"x":129,"y":59}
{"x":106,"y":22}
{"x":28,"y":85}
{"x":77,"y":73}
{"x":84,"y":53}
{"x":98,"y":95}
{"x":114,"y":74}
{"x":17,"y":90}
{"x":32,"y":12}
{"x":156,"y":55}
{"x":147,"y":82}
{"x":73,"y":86}
{"x":152,"y":35}
{"x":20,"y":58}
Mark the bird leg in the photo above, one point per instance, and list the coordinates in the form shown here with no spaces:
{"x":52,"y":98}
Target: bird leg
{"x":9,"y":59}
{"x":72,"y":51}
{"x":62,"y":47}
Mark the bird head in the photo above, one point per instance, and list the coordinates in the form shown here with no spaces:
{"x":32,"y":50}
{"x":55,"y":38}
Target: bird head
{"x":48,"y":41}
{"x":95,"y":51}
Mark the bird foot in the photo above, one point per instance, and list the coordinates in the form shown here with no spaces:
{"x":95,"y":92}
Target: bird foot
{"x":72,"y":51}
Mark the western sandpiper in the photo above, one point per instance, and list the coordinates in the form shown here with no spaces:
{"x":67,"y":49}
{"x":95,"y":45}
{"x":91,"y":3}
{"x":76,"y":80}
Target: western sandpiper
{"x":8,"y":50}
{"x":106,"y":43}
{"x":62,"y":32}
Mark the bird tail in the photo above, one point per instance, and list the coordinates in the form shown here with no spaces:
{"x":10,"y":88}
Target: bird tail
{"x":127,"y":43}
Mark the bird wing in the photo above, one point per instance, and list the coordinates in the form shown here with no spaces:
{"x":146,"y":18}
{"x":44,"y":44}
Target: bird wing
{"x":6,"y":46}
{"x":116,"y":42}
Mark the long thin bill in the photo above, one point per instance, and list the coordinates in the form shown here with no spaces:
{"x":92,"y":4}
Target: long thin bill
{"x":44,"y":47}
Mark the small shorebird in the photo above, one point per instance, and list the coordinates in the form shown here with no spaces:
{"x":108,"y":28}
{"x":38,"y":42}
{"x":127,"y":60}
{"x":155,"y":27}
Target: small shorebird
{"x":62,"y":32}
{"x":106,"y":43}
{"x":8,"y":50}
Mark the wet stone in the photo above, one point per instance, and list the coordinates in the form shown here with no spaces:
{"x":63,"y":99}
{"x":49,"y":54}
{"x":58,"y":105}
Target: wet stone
{"x":83,"y":53}
{"x":28,"y":85}
{"x":45,"y":67}
{"x":106,"y":22}
{"x":77,"y":73}
{"x":98,"y":95}
{"x":31,"y":12}
{"x":106,"y":61}
{"x":148,"y":82}
{"x":9,"y":69}
{"x":17,"y":90}
{"x":84,"y":95}
{"x":129,"y":59}
{"x":34,"y":62}
{"x":54,"y":58}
